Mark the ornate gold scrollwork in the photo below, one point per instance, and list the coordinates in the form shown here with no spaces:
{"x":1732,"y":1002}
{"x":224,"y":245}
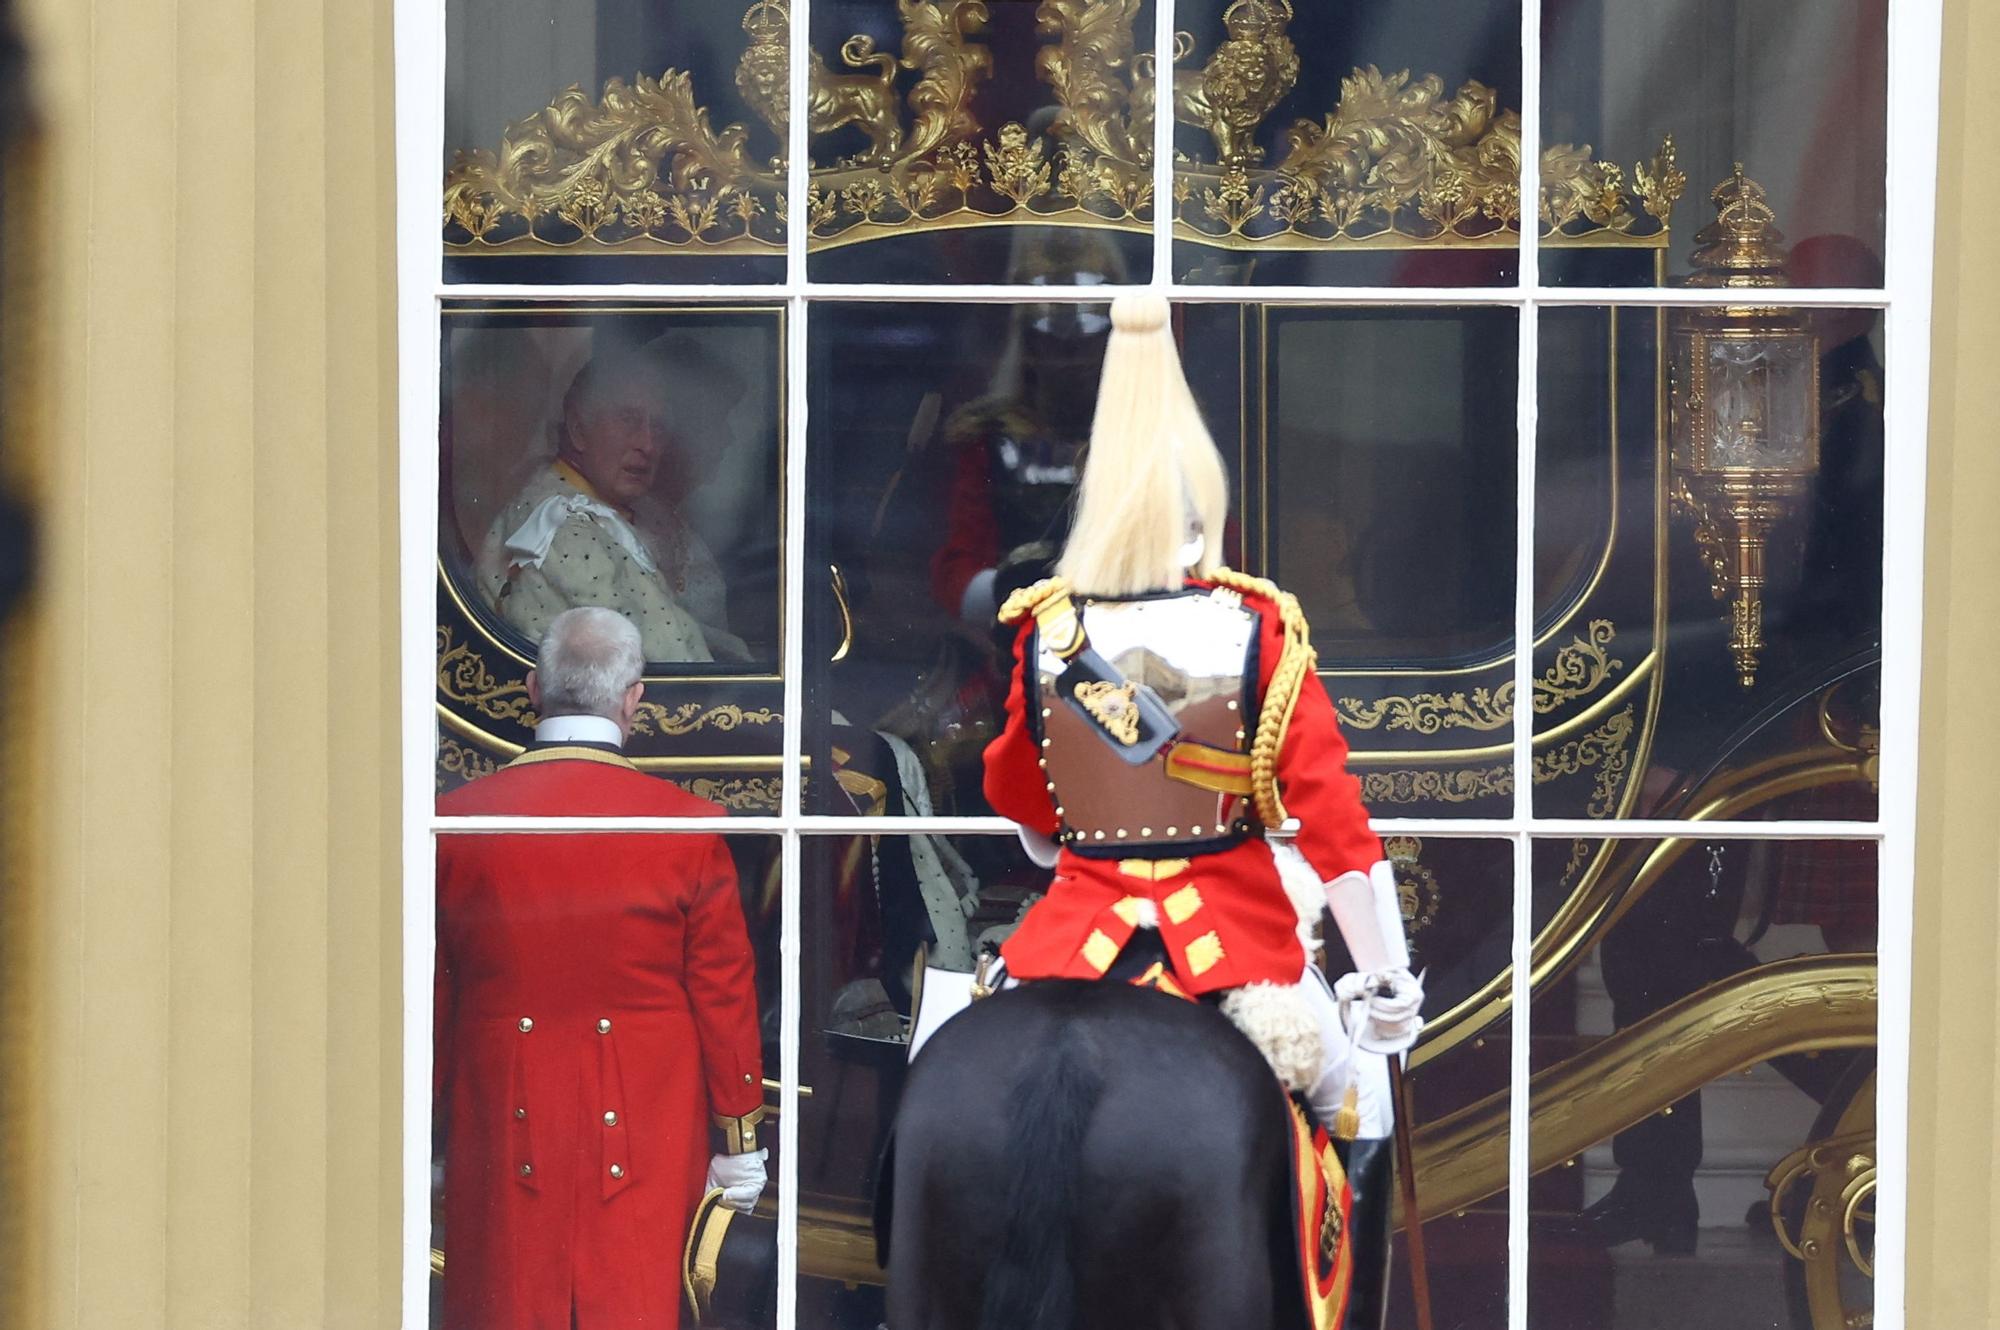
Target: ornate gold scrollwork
{"x":464,"y":678}
{"x":1396,"y":162}
{"x":1431,"y":713}
{"x":1439,"y":786}
{"x":1604,"y":748}
{"x":461,"y":760}
{"x":738,"y":794}
{"x":1577,"y":671}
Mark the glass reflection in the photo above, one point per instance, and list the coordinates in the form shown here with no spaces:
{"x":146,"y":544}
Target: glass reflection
{"x":1730,"y":951}
{"x":1359,"y":144}
{"x":614,"y":141}
{"x":606,"y":1010}
{"x":1793,"y":90}
{"x":1724,"y":640}
{"x":1366,"y":447}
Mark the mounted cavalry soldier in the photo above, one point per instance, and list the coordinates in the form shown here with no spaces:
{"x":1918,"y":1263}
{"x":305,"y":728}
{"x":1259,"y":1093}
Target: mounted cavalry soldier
{"x":1169,"y":752}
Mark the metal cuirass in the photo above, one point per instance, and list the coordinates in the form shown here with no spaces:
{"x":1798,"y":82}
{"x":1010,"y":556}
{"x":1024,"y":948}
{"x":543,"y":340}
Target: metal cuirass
{"x":1196,"y":650}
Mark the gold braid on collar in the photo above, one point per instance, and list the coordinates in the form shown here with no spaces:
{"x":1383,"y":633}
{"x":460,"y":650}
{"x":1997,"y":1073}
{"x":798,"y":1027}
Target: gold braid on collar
{"x":1296,"y":662}
{"x":1029,"y":599}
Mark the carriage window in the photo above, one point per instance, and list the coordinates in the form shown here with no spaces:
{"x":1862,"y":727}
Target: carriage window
{"x":628,"y":458}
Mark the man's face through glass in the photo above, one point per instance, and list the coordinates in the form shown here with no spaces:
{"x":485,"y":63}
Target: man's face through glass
{"x":618,"y":443}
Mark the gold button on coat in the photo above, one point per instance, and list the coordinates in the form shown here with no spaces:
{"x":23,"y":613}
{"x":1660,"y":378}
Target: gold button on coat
{"x":520,"y":1112}
{"x":617,"y":1170}
{"x":527,"y":1169}
{"x":610,"y":1119}
{"x":527,"y":1024}
{"x":604,"y":1026}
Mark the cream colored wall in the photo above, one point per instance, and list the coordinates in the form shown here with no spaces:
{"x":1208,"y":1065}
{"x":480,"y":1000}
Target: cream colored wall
{"x":1954,"y":1268}
{"x":220,"y":937}
{"x":221,"y":941}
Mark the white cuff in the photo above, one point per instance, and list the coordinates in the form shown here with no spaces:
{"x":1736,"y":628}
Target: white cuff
{"x":1040,"y":848}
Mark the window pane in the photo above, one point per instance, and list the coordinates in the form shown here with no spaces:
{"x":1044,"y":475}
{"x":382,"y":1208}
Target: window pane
{"x":1366,"y":448}
{"x":629,"y":458}
{"x":1374,"y":143}
{"x":1705,"y":1055}
{"x":607,"y":1019}
{"x":1709,"y":560}
{"x":1015,"y":145}
{"x":614,"y":141}
{"x":1792,"y":90}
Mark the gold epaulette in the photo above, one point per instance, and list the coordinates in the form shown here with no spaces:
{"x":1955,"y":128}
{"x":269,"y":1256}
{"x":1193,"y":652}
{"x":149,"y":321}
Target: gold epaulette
{"x":1029,"y":599}
{"x":1296,"y":662}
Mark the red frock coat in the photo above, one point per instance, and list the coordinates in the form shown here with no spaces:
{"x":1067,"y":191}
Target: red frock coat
{"x":595,"y":1004}
{"x":1237,"y":925}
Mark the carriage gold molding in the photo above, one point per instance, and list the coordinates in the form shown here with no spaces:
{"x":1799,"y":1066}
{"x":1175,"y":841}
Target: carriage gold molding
{"x":1576,"y":672}
{"x":1793,"y":1006}
{"x":1397,"y":163}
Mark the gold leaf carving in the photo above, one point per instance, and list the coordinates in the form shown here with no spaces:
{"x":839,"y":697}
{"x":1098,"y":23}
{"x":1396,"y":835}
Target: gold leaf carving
{"x":641,"y":167}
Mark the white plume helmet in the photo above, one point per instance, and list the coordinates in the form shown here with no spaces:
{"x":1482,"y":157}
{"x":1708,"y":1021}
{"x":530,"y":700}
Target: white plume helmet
{"x":1152,"y":474}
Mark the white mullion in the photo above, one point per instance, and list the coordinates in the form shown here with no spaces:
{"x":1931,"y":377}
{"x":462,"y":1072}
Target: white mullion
{"x":1527,"y":400}
{"x":791,"y":781}
{"x":419,"y":57}
{"x":1445,"y":828}
{"x":1915,"y":40}
{"x":992,"y":293}
{"x":1163,"y":144}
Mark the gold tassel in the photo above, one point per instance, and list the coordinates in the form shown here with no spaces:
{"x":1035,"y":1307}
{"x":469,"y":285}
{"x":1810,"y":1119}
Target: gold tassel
{"x":1347,"y":1121}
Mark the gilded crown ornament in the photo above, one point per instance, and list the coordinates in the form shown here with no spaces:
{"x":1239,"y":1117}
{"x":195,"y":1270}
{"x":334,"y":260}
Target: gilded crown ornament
{"x":1397,"y":163}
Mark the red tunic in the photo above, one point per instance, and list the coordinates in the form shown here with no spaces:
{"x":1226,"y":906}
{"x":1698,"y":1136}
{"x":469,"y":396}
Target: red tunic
{"x":595,"y":1004}
{"x":1237,"y":925}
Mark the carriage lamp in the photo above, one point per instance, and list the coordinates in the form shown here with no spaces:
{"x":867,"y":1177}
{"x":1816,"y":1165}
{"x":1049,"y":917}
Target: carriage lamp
{"x":1744,"y":410}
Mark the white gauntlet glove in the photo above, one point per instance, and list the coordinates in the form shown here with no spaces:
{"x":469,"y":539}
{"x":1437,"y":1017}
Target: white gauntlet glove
{"x":739,"y":1177}
{"x":1380,"y":1009}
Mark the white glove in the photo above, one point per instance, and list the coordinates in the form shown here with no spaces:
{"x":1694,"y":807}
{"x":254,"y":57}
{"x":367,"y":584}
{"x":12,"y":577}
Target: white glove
{"x":740,"y":1178}
{"x":1380,"y":1009}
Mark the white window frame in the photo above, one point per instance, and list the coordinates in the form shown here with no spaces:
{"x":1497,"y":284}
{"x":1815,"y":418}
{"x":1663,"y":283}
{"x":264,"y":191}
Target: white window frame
{"x":1914,"y":37}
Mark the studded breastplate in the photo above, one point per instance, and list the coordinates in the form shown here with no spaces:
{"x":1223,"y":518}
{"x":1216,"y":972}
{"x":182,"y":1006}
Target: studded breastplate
{"x":1196,"y":650}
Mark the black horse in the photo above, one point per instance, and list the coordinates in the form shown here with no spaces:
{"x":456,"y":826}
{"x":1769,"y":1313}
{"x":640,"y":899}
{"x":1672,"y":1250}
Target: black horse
{"x":1090,"y":1156}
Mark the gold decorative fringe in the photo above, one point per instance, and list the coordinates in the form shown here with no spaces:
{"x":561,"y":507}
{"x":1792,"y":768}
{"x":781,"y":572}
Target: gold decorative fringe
{"x":1296,"y":663}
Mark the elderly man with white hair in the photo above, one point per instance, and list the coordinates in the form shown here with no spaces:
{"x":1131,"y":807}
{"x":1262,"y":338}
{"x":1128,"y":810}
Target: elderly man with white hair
{"x":596,"y":1018}
{"x":602,"y":523}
